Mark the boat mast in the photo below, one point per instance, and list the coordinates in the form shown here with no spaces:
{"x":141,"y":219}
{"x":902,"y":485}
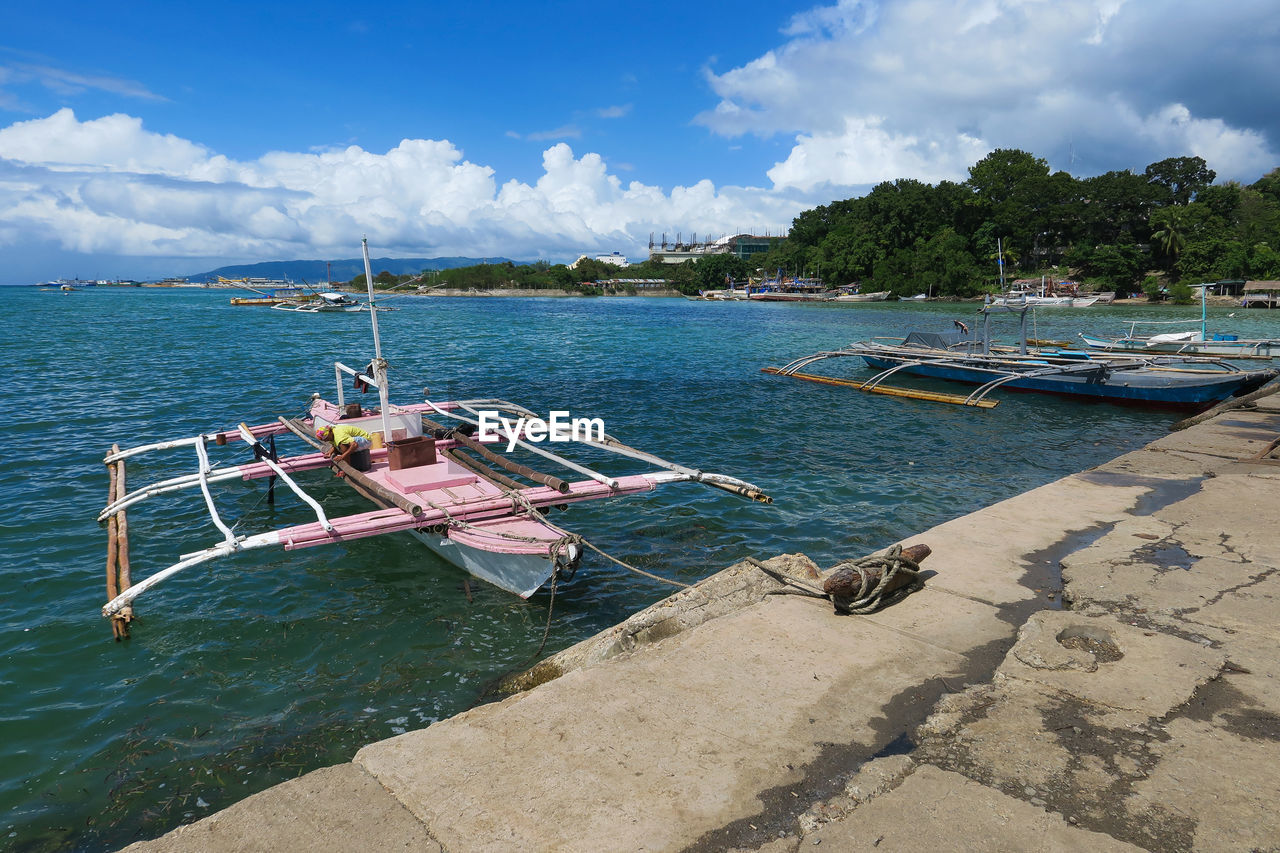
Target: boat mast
{"x":1000,"y":262}
{"x":1204,"y":325}
{"x":379,"y":365}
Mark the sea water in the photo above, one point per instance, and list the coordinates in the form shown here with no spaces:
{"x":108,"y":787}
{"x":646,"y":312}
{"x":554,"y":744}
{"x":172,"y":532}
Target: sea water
{"x":263,"y":666}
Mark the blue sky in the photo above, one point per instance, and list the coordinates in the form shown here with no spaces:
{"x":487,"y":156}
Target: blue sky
{"x":144,"y":139}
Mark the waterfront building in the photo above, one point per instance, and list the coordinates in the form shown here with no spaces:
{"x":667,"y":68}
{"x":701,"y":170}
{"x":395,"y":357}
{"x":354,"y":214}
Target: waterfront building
{"x":740,"y":245}
{"x":615,"y":258}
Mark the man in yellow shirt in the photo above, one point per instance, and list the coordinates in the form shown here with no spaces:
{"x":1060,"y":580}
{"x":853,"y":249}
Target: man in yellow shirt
{"x":346,"y":441}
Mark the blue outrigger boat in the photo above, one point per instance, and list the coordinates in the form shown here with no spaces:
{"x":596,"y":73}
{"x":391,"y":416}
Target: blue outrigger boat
{"x":1167,"y":381}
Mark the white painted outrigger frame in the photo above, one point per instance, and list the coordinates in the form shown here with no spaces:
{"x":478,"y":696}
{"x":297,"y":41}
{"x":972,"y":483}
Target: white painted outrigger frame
{"x":390,"y":519}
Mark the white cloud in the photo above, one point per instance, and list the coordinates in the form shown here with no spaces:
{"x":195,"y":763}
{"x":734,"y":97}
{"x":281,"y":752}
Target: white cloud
{"x":865,"y":153}
{"x":109,"y":185}
{"x":873,"y":90}
{"x":567,"y":131}
{"x":66,"y":83}
{"x":1174,"y":128}
{"x":616,"y":111}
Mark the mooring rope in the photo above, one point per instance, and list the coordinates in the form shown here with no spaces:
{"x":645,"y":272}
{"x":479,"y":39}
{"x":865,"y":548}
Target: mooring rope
{"x":869,"y":597}
{"x":632,"y":568}
{"x":551,"y":606}
{"x":865,"y":600}
{"x":802,"y":587}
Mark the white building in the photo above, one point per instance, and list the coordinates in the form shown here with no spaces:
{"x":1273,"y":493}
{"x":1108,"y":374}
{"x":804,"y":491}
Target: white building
{"x":615,"y":258}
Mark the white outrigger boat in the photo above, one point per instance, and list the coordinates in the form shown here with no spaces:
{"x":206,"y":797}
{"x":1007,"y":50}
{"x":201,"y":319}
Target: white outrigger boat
{"x":424,"y":481}
{"x":1197,"y":341}
{"x":325,"y":302}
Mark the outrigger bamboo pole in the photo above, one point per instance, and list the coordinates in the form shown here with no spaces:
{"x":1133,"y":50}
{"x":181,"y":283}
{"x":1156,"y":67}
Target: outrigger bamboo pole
{"x":720,"y":481}
{"x":888,"y":390}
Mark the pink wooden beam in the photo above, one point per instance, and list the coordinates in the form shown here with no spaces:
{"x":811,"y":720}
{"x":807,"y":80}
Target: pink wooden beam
{"x":382,"y":521}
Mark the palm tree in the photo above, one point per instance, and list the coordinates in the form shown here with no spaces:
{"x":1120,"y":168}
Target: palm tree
{"x":1004,"y":256}
{"x":1170,"y":237}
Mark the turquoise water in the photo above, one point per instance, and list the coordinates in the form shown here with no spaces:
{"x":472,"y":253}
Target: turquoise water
{"x":261,"y":667}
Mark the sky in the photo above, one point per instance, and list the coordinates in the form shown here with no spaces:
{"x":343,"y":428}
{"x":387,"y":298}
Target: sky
{"x":146,"y":139}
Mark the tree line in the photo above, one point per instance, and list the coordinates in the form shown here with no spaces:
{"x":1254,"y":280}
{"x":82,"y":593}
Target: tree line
{"x":1115,"y":229}
{"x":1122,"y":231}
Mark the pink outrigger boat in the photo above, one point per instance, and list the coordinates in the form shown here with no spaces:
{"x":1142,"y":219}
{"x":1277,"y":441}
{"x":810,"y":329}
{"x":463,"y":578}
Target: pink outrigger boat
{"x":471,"y":515}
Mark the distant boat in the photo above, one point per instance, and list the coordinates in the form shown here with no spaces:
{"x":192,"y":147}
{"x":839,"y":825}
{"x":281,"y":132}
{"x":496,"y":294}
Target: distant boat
{"x":274,"y":296}
{"x":1063,"y":294}
{"x":1190,"y":342}
{"x":325,"y":302}
{"x":423,"y":477}
{"x":850,"y":296}
{"x":791,"y":290}
{"x":1172,"y":381}
{"x":728,"y":294}
{"x":1186,"y":343}
{"x":1019,"y":297}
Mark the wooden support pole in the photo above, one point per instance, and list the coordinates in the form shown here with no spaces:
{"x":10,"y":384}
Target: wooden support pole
{"x":113,"y":588}
{"x":482,"y":470}
{"x":118,"y":575}
{"x":122,"y":560}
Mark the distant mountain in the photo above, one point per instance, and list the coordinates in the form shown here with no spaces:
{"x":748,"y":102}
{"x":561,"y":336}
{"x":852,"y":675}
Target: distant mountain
{"x":314,"y":272}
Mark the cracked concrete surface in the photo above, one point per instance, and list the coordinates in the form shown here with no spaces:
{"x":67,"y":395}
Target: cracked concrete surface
{"x":1146,"y":715}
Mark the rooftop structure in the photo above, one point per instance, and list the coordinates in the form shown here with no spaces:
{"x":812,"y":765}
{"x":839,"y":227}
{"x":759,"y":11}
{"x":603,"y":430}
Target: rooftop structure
{"x":741,"y":245}
{"x":615,"y":258}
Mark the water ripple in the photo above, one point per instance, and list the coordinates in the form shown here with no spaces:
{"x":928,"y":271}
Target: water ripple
{"x":260,"y":667}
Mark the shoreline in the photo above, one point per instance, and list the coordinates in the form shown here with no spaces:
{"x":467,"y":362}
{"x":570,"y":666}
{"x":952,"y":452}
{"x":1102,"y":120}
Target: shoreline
{"x":977,"y":708}
{"x":502,"y":292}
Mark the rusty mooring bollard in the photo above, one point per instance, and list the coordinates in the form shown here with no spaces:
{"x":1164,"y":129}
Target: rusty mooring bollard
{"x":853,"y":584}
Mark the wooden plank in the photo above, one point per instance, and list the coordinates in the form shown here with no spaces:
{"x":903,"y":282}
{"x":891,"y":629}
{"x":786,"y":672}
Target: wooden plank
{"x":502,"y":461}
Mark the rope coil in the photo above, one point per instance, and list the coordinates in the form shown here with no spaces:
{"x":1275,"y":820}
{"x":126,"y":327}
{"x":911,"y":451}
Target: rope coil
{"x":872,"y":593}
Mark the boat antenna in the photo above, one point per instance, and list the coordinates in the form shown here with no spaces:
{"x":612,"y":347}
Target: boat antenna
{"x":373,"y":314}
{"x":379,"y":365}
{"x":1204,"y":318}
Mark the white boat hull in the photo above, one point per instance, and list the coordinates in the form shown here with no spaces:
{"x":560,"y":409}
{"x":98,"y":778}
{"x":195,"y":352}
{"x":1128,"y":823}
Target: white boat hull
{"x":1048,"y":301}
{"x":863,"y":297}
{"x":519,"y":573}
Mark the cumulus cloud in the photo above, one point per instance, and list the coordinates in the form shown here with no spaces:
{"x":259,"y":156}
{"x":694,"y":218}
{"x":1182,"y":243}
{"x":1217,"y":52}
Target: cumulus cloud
{"x":865,"y":153}
{"x":109,"y":185}
{"x":873,"y":91}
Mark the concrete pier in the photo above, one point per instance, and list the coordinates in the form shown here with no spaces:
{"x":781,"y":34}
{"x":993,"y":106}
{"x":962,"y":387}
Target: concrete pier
{"x":976,"y":714}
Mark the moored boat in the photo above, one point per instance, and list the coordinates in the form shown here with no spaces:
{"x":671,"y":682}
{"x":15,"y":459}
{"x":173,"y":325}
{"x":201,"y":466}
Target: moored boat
{"x":855,"y":296}
{"x":1187,"y":343}
{"x":1169,"y":381}
{"x":325,"y":302}
{"x":1195,"y":341}
{"x":427,"y":472}
{"x":1062,"y":294}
